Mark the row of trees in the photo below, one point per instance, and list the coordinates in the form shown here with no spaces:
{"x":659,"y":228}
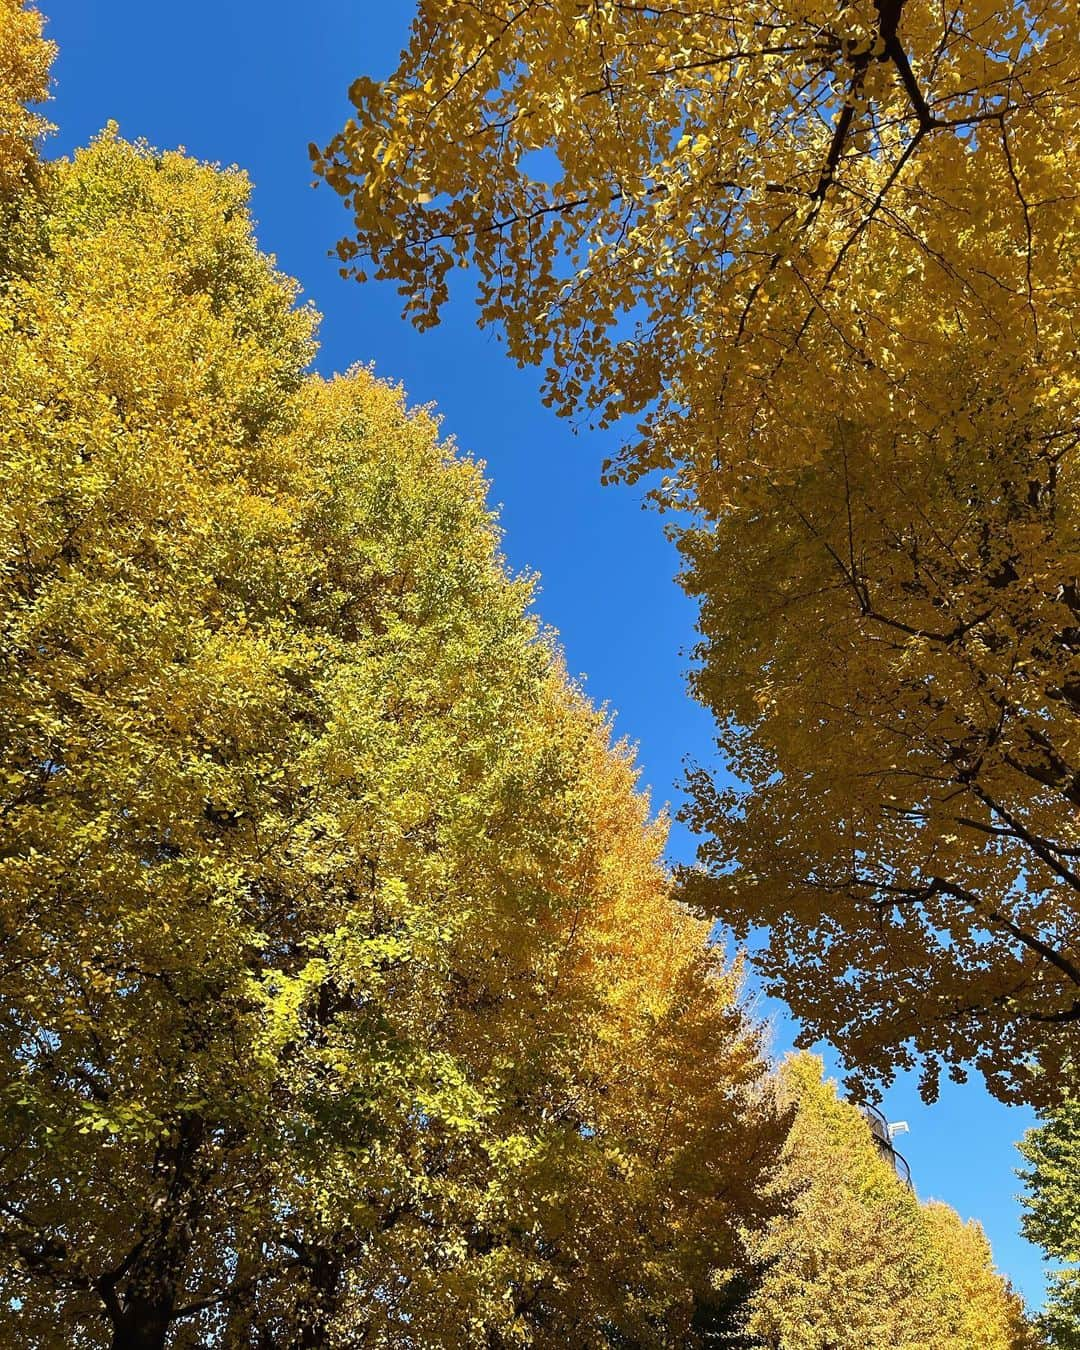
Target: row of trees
{"x":344,"y":998}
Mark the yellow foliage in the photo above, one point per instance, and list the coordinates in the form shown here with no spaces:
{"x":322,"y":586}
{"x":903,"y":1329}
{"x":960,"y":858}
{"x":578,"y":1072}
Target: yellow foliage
{"x":855,"y":1262}
{"x":748,"y":224}
{"x":344,"y":996}
{"x":891,"y":655}
{"x":345,"y":999}
{"x":988,"y":1312}
{"x":25,"y":58}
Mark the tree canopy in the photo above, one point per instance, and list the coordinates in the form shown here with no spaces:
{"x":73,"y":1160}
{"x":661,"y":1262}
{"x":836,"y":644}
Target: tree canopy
{"x":814,"y":250}
{"x":343,"y":995}
{"x":729,"y":218}
{"x":25,"y":58}
{"x":891,"y":657}
{"x":855,"y":1261}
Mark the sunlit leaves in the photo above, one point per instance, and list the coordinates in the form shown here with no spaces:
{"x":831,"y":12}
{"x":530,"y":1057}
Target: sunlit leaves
{"x":755,"y":212}
{"x":855,"y":1260}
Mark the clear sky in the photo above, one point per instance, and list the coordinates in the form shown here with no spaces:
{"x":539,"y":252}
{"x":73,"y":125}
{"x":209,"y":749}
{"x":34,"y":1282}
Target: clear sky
{"x":251,"y":82}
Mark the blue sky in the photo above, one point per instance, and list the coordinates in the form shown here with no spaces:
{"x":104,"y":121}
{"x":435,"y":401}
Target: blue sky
{"x":251,"y":82}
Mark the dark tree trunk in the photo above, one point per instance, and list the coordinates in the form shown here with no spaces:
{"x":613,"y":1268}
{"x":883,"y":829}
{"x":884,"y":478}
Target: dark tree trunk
{"x":317,"y":1308}
{"x":143,"y":1295}
{"x":143,"y":1324}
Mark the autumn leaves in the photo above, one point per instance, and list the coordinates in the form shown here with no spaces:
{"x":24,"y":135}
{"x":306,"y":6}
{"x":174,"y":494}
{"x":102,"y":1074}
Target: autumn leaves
{"x":344,"y":996}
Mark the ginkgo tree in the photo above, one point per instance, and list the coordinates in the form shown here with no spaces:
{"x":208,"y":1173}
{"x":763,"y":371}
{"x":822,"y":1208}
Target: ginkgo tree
{"x":855,"y":1261}
{"x":811,"y":248}
{"x":343,"y":996}
{"x":892,"y":658}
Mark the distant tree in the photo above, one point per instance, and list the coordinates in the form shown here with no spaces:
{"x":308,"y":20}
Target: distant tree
{"x":855,"y":1262}
{"x":1052,"y":1218}
{"x":812,"y":247}
{"x":986,"y":1311}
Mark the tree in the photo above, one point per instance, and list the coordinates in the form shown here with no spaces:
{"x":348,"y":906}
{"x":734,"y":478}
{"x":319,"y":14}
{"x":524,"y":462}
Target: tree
{"x":985,"y":1308}
{"x":812,"y":248}
{"x":343,"y":996}
{"x":855,"y":1260}
{"x":1052,"y":1220}
{"x":725,"y":219}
